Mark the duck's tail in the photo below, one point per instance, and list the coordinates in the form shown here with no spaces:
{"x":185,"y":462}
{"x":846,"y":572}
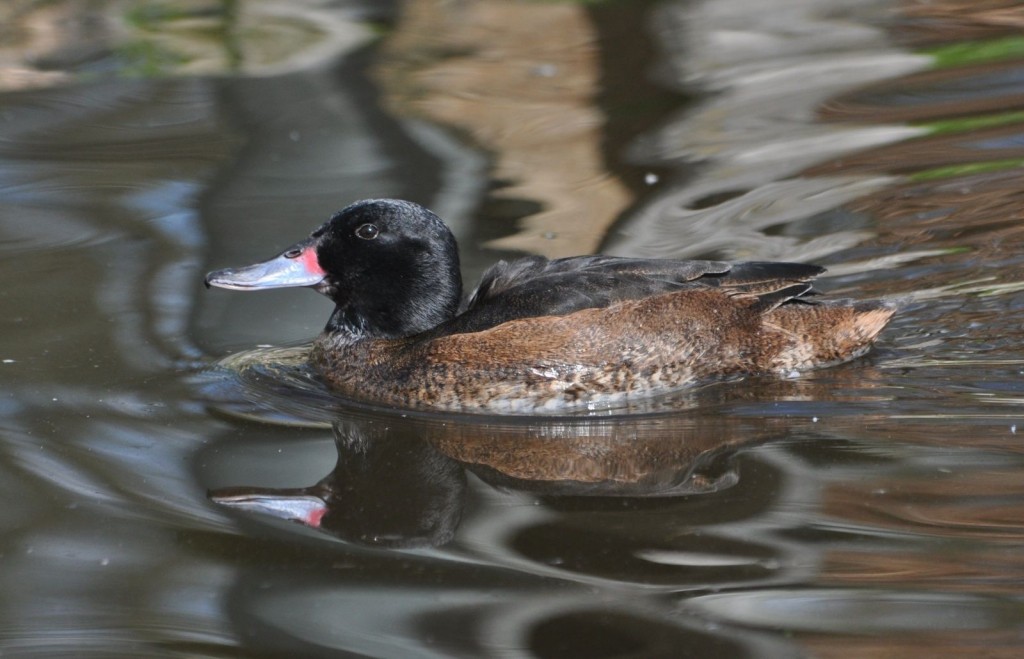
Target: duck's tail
{"x":825,"y":333}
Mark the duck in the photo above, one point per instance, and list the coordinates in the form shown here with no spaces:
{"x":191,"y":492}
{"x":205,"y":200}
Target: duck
{"x":542,"y":335}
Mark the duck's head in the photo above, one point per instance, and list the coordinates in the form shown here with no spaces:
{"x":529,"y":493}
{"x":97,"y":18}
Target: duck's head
{"x":390,"y":266}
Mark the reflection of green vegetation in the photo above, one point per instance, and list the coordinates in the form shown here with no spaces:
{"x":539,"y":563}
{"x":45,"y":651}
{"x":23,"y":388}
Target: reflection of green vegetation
{"x":583,"y":3}
{"x":998,"y":289}
{"x":967,"y":168}
{"x":379,"y":28}
{"x":965,"y":124}
{"x":146,"y":59}
{"x":152,"y":15}
{"x":976,"y":52}
{"x":579,"y":2}
{"x":229,"y":29}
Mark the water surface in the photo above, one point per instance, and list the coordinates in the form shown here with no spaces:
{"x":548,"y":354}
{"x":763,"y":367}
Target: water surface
{"x":875,"y":507}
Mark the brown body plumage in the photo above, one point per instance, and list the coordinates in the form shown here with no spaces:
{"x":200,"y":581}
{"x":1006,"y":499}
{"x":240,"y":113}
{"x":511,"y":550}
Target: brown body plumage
{"x":598,"y":356}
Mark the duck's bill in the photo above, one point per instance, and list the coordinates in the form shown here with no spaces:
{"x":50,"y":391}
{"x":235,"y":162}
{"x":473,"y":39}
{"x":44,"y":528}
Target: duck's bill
{"x":306,"y":508}
{"x":297,"y":266}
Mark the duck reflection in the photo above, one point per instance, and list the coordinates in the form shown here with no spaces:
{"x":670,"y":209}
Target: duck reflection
{"x":388,"y":488}
{"x":401,"y":482}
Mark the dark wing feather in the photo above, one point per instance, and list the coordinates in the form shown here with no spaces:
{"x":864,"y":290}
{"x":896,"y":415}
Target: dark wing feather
{"x":769,"y":300}
{"x":768,"y":274}
{"x":535,"y":286}
{"x":537,"y":271}
{"x":773,"y":284}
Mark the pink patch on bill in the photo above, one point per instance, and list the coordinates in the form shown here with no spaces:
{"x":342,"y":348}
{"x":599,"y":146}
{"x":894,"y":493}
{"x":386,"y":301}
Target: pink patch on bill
{"x":310,"y":262}
{"x":315,"y":516}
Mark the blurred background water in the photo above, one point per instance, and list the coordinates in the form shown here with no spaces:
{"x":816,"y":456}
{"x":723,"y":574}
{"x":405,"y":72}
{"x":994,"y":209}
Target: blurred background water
{"x":873,"y":509}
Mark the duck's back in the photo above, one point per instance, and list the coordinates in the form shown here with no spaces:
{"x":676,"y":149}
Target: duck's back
{"x":556,"y":335}
{"x":535,"y":286}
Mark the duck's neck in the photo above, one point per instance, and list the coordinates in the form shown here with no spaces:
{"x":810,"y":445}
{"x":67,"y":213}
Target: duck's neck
{"x":405,"y":308}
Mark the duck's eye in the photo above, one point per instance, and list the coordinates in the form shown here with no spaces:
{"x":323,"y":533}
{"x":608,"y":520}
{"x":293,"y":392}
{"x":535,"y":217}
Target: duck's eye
{"x":293,"y":253}
{"x":367,"y":231}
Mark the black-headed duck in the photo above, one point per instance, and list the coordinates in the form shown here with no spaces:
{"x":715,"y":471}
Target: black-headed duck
{"x":541,"y":335}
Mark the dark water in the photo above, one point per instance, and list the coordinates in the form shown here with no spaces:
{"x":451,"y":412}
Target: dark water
{"x":874,"y":509}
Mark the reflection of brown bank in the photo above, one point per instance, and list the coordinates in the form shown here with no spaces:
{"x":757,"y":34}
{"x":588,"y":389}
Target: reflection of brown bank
{"x":925,"y":23}
{"x":521,"y":79}
{"x":400,"y":482}
{"x":962,"y":193}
